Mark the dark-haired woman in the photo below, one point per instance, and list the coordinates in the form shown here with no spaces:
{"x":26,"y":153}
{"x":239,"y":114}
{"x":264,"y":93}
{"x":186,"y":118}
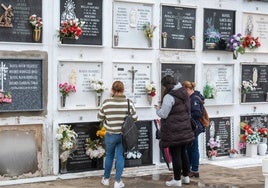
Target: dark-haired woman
{"x":176,"y":130}
{"x":112,"y":114}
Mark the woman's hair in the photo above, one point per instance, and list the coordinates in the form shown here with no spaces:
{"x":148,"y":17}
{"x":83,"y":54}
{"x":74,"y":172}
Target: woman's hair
{"x":118,"y":87}
{"x":168,"y":82}
{"x":189,"y":85}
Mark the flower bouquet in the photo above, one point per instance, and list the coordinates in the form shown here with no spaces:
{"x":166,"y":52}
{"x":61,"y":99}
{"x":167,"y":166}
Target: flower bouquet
{"x":98,"y":86}
{"x":263,"y":132}
{"x":65,"y":90}
{"x":148,"y":31}
{"x":212,"y":147}
{"x":250,"y":136}
{"x":71,"y":29}
{"x":232,"y":153}
{"x":209,"y":91}
{"x":67,"y":141}
{"x":235,"y":44}
{"x":5,"y":98}
{"x":246,"y":87}
{"x":251,"y":42}
{"x":94,"y":148}
{"x":36,"y":22}
{"x":151,"y":91}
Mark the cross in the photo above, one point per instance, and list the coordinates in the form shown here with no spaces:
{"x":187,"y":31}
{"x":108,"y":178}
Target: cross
{"x":3,"y":71}
{"x":133,"y":77}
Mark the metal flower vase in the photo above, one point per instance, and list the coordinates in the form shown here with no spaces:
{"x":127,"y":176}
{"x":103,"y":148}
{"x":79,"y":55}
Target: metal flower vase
{"x":98,"y":98}
{"x":63,"y":101}
{"x":235,"y":54}
{"x":36,"y":35}
{"x":150,"y":99}
{"x":150,"y":42}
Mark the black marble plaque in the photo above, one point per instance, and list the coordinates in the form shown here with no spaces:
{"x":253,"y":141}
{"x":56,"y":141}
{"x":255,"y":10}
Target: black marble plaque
{"x":89,"y":11}
{"x":179,"y":24}
{"x":220,"y":21}
{"x":145,"y":141}
{"x":23,"y":78}
{"x":258,"y":74}
{"x":180,"y":72}
{"x":220,"y":127}
{"x":21,"y":30}
{"x":80,"y":161}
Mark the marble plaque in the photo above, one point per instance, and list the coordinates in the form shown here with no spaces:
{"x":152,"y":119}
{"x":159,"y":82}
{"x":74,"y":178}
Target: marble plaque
{"x":135,"y":77}
{"x":79,"y":74}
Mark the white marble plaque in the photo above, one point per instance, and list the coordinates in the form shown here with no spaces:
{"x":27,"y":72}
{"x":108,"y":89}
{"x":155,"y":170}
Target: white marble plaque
{"x":128,"y":21}
{"x":135,"y":77}
{"x":256,"y":25}
{"x":79,"y":74}
{"x":221,"y":79}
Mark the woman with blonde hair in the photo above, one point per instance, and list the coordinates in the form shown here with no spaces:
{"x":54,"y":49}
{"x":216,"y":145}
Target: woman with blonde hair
{"x":196,"y":100}
{"x":112,"y":113}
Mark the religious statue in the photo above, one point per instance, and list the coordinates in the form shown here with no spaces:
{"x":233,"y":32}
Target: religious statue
{"x":133,"y":18}
{"x":255,"y":76}
{"x":73,"y":77}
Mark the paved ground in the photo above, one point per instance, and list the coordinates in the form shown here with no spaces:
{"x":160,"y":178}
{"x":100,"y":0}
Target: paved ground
{"x":213,"y":176}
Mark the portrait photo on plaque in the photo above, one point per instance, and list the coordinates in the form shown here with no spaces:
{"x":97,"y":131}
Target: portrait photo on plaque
{"x":16,"y":25}
{"x":178,"y":27}
{"x":218,"y":83}
{"x":133,"y":25}
{"x":88,"y":17}
{"x":254,"y":83}
{"x":79,"y":75}
{"x":135,"y":76}
{"x":219,"y":136}
{"x":256,"y":25}
{"x":219,"y":26}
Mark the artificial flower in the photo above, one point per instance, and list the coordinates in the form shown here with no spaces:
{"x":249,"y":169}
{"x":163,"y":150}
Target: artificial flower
{"x":263,"y":131}
{"x":233,"y":151}
{"x":5,"y":98}
{"x":235,"y":43}
{"x":71,"y":29}
{"x":251,"y":136}
{"x":148,"y":30}
{"x":133,"y":155}
{"x":66,"y":137}
{"x":164,"y":34}
{"x":98,"y":85}
{"x":66,"y":89}
{"x":35,"y":21}
{"x":247,"y":86}
{"x":251,"y":42}
{"x":212,"y":153}
{"x":150,"y":89}
{"x":95,"y":147}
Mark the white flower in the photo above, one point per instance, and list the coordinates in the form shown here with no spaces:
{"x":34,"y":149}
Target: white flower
{"x":97,"y":85}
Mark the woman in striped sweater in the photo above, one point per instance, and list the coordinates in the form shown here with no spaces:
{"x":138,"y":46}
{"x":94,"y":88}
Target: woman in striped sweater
{"x":112,"y":114}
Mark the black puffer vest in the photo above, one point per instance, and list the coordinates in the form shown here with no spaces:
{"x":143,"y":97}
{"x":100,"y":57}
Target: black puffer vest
{"x":176,"y":129}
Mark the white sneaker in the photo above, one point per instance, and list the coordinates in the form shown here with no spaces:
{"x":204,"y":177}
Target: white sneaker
{"x":105,"y":181}
{"x":176,"y":183}
{"x":185,"y":179}
{"x":119,"y":184}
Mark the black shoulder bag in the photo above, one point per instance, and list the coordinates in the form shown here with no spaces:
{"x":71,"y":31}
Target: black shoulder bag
{"x":129,"y":132}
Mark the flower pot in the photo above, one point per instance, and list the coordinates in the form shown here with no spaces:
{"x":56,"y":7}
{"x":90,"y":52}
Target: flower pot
{"x":36,"y":35}
{"x":251,"y":150}
{"x":98,"y":98}
{"x":212,"y":158}
{"x":232,"y":155}
{"x":63,"y":100}
{"x":262,"y":148}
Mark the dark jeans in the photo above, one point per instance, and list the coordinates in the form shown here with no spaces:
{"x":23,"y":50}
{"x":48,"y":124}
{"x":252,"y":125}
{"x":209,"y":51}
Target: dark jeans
{"x":180,"y":161}
{"x":193,"y":153}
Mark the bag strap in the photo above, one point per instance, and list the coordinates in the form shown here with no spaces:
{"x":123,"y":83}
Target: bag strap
{"x":128,"y":107}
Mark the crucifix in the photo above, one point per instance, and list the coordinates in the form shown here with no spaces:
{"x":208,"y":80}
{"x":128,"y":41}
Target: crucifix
{"x":133,"y":77}
{"x":3,"y":71}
